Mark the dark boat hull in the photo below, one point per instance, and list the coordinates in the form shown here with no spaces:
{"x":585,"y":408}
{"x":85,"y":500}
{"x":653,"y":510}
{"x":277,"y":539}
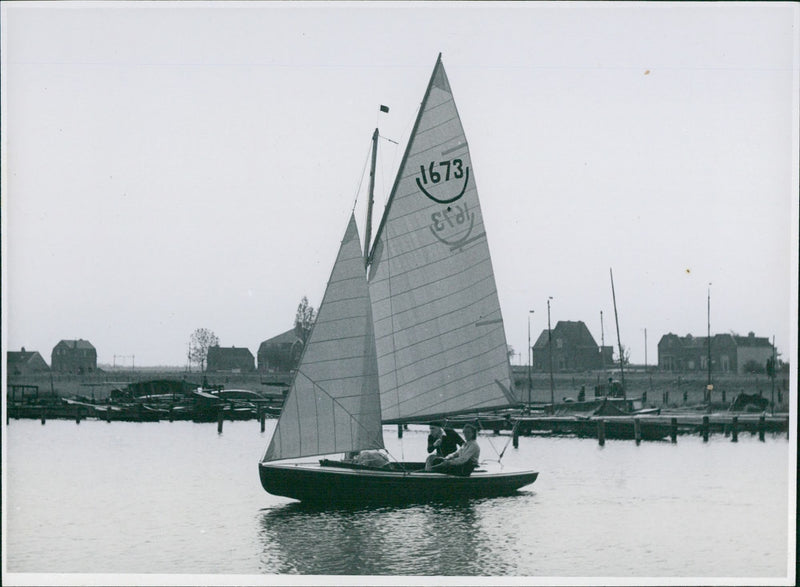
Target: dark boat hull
{"x":312,"y":482}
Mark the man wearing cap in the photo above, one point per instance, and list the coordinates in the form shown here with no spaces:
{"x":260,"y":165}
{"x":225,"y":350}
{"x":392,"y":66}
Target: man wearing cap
{"x":465,"y":459}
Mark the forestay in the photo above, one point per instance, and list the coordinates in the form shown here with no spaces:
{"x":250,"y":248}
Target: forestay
{"x":333,"y":404}
{"x":438,"y":328}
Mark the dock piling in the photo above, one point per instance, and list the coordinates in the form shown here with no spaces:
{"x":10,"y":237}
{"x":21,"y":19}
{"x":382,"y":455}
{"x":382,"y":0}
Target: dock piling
{"x":515,"y":437}
{"x":262,"y":416}
{"x":44,"y":415}
{"x":673,"y":430}
{"x":108,"y":414}
{"x":77,"y":414}
{"x":220,"y":420}
{"x":637,"y":431}
{"x":171,"y":414}
{"x":601,"y":432}
{"x":735,"y":429}
{"x":704,"y":429}
{"x":762,"y":424}
{"x":399,"y":431}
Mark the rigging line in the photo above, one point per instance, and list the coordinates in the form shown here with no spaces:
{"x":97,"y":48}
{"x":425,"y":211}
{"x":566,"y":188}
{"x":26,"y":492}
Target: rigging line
{"x":513,"y":431}
{"x":499,"y":454}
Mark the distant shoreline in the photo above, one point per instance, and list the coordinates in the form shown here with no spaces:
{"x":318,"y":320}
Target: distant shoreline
{"x":662,"y":389}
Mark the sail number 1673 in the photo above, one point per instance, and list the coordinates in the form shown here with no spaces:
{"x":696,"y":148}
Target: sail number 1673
{"x":445,"y":168}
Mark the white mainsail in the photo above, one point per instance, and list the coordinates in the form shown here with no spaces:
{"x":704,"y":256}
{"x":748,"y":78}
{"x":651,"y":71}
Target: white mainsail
{"x":439,"y":332}
{"x":333,"y":404}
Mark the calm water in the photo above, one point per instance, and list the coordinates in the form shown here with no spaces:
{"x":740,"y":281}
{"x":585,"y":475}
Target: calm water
{"x":179,"y":498}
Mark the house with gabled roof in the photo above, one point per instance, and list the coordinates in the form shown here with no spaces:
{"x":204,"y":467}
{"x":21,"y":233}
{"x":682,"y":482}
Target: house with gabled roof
{"x":730,"y":353}
{"x":231,"y":359}
{"x":573,"y":348}
{"x":74,"y":356}
{"x":280,"y":354}
{"x":24,"y":362}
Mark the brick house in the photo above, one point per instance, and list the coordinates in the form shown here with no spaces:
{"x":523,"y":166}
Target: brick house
{"x":74,"y":356}
{"x":729,"y":353}
{"x":280,"y":353}
{"x":574,"y":349}
{"x":232,"y":359}
{"x":24,"y":362}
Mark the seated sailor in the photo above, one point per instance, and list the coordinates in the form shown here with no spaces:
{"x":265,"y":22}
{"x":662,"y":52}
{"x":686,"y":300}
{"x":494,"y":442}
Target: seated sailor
{"x":442,"y":441}
{"x":464,"y":460}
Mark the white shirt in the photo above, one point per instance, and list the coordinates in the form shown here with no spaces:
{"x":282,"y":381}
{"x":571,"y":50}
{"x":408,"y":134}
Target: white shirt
{"x":469,"y":451}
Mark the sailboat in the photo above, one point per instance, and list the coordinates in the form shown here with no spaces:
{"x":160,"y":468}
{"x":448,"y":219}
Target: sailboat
{"x":408,"y":330}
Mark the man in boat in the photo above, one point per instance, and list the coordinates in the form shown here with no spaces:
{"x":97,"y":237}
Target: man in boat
{"x":442,"y":440}
{"x":463,"y":461}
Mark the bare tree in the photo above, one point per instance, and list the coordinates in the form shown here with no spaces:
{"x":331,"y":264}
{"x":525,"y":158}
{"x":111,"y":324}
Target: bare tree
{"x":510,"y":352}
{"x":626,"y":355}
{"x":304,"y":319}
{"x":202,"y":339}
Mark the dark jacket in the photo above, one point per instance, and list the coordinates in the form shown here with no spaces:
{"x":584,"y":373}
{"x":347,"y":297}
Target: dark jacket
{"x":451,"y":440}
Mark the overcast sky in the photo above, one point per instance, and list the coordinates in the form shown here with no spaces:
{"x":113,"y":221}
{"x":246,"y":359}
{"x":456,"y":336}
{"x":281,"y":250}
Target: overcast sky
{"x":175,"y":166}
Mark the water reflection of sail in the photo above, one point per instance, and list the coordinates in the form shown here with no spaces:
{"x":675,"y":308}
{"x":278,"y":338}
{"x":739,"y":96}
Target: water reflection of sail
{"x":414,"y":540}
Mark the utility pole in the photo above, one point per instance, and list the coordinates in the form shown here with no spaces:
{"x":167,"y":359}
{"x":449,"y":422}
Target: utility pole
{"x":602,"y":343}
{"x":550,"y":348}
{"x":709,"y":386}
{"x":645,"y":350}
{"x":530,"y":358}
{"x":774,"y":371}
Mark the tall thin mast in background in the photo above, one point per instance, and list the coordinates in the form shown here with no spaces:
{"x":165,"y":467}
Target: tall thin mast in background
{"x":619,"y":342}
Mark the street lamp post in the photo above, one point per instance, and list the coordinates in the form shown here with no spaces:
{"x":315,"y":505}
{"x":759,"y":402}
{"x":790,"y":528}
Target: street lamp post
{"x":709,"y":385}
{"x":550,"y":348}
{"x":530,"y":358}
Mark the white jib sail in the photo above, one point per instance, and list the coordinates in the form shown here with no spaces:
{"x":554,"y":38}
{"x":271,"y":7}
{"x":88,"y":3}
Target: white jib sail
{"x":438,"y":328}
{"x":333,"y":404}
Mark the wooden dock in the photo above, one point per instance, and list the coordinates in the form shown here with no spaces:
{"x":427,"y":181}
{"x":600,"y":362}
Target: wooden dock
{"x":645,"y":427}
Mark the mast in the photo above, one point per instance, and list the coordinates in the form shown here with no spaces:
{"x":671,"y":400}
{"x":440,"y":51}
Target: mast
{"x":370,"y":201}
{"x":619,"y":342}
{"x":400,"y":169}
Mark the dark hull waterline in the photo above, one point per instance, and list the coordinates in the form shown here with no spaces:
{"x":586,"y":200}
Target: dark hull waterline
{"x":317,"y":483}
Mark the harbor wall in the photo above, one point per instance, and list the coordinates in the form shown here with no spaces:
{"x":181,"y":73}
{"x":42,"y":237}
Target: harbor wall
{"x":662,"y":389}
